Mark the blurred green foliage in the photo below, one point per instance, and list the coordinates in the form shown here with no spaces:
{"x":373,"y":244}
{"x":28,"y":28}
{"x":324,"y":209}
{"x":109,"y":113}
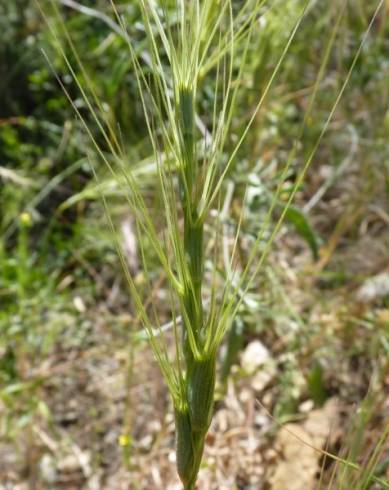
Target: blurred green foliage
{"x":43,"y":162}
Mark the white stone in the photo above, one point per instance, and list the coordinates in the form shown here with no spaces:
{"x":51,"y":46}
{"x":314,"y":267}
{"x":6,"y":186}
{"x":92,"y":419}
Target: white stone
{"x":254,"y":356}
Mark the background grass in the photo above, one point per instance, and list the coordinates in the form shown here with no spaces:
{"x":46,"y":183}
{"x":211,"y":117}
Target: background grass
{"x":64,"y":308}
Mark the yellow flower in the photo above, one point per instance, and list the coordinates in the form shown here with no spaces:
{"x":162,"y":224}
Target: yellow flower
{"x":124,"y":440}
{"x":25,"y":219}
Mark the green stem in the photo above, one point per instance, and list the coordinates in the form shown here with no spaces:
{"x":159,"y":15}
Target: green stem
{"x":193,"y":230}
{"x":193,"y":418}
{"x":189,"y":448}
{"x":193,"y":246}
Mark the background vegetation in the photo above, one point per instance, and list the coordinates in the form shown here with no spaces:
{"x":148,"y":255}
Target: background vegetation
{"x":82,"y":404}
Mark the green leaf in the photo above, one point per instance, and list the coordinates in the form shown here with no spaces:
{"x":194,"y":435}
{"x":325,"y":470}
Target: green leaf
{"x":302,"y":226}
{"x":316,"y":386}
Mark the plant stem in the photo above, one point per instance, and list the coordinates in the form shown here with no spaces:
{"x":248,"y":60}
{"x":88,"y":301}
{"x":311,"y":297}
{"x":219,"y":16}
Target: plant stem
{"x":193,"y":230}
{"x":192,"y":422}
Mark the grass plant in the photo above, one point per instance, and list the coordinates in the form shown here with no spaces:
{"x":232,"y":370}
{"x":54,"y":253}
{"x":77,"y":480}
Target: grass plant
{"x":193,"y":153}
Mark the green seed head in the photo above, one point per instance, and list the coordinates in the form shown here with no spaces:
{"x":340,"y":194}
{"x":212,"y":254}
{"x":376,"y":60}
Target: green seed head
{"x":200,"y":393}
{"x":189,"y":449}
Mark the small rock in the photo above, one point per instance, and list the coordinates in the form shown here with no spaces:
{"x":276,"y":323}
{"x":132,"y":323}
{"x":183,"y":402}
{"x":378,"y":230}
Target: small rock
{"x":306,"y":406}
{"x":263,"y":377}
{"x":79,"y":304}
{"x":69,"y":464}
{"x":94,"y":482}
{"x":48,"y":469}
{"x":374,"y":289}
{"x":254,"y":356}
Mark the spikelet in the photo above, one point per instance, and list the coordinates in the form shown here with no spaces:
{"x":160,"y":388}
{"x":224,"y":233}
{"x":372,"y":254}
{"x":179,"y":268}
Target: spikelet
{"x":200,"y":392}
{"x":189,"y":448}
